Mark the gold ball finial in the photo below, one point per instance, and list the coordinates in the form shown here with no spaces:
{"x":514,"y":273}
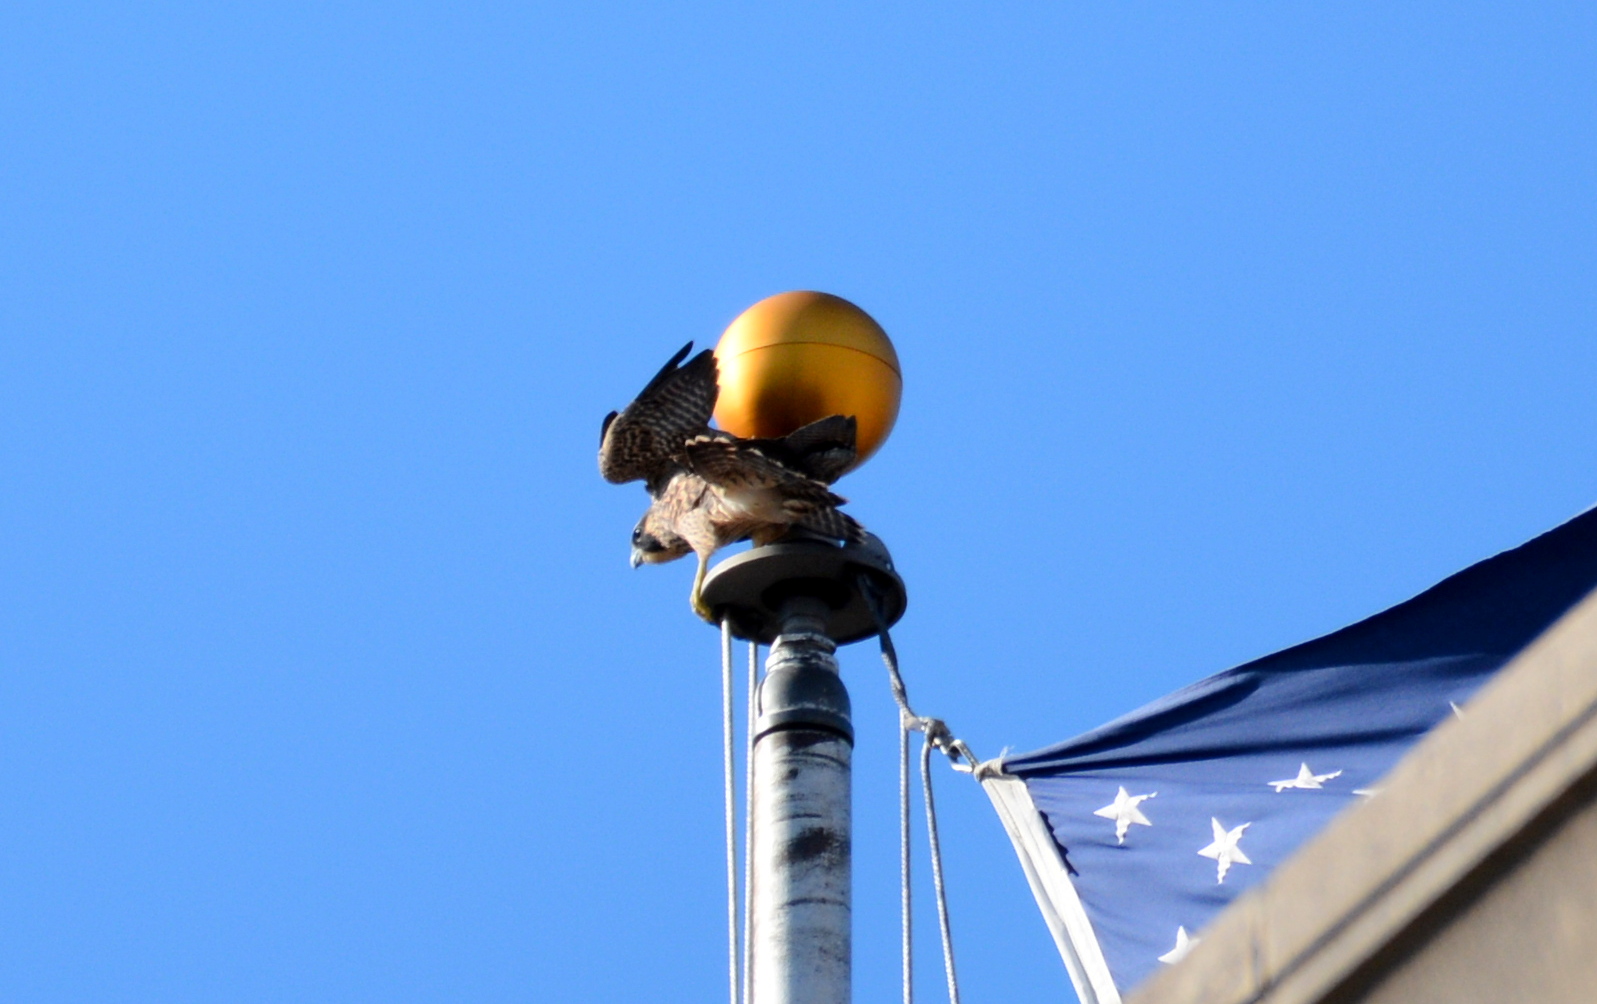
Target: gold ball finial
{"x":796,"y":357}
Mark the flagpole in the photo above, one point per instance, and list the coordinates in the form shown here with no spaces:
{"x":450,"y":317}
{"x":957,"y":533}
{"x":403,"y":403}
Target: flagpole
{"x":804,"y":600}
{"x":804,"y":740}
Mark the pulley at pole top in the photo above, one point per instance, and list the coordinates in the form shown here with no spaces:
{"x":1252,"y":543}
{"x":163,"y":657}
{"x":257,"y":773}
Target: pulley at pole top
{"x":797,"y":357}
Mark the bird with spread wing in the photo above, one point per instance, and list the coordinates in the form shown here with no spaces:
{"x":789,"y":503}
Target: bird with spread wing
{"x":710,"y":488}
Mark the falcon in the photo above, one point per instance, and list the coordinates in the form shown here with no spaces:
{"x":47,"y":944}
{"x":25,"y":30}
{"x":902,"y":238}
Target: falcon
{"x":710,"y":488}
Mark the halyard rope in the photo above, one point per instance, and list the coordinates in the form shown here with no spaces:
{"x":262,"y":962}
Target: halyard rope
{"x":730,"y":791}
{"x":937,"y":871}
{"x":748,"y":820}
{"x":907,"y":933}
{"x":937,"y":736}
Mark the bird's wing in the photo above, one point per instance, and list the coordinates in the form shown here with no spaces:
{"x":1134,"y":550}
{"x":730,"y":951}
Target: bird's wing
{"x":645,"y":440}
{"x":736,"y":464}
{"x":823,"y":450}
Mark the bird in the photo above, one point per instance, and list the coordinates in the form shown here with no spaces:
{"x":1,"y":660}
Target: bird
{"x":709,"y":488}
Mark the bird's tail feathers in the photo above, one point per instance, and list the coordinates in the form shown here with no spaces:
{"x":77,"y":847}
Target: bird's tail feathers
{"x":829,"y":522}
{"x":824,"y":433}
{"x":822,"y":450}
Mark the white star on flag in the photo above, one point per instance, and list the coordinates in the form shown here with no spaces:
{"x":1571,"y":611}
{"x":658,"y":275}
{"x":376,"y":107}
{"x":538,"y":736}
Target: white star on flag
{"x":1224,"y":850}
{"x":1306,"y":779}
{"x":1123,"y":810}
{"x":1184,"y":944}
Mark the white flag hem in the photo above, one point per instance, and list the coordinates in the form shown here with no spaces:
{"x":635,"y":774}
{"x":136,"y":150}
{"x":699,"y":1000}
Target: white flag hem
{"x":1050,"y":884}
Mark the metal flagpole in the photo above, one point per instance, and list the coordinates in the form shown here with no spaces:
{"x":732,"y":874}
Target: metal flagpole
{"x":803,"y":599}
{"x":821,"y":367}
{"x":803,"y":747}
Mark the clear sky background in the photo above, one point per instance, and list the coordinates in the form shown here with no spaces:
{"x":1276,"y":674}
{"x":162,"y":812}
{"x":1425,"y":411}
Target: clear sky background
{"x":323,"y":676}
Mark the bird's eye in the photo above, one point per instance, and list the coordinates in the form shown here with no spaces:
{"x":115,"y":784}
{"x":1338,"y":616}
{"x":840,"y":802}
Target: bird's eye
{"x":637,"y":535}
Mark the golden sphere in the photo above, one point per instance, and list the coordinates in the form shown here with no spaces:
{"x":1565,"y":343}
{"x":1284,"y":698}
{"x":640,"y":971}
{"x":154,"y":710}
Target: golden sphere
{"x":796,"y":357}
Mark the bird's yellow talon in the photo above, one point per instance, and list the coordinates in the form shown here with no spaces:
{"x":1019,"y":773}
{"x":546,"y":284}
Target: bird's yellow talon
{"x":696,"y":597}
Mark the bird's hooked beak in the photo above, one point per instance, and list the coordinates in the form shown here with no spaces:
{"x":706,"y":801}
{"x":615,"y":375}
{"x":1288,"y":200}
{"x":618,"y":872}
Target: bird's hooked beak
{"x":637,"y":556}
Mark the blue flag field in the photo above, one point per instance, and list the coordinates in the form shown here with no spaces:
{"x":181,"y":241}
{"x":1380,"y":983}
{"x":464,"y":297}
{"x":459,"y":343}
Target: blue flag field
{"x":1136,"y":834}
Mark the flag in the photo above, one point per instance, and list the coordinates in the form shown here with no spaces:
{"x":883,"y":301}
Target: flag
{"x":1136,"y":834}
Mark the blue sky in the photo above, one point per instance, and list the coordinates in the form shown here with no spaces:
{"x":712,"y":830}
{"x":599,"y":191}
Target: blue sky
{"x":324,"y":675}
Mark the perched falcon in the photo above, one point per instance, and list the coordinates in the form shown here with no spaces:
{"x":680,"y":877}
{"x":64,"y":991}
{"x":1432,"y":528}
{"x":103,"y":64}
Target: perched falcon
{"x":711,"y":488}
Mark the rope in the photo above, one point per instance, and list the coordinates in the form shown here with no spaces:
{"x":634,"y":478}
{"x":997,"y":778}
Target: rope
{"x":937,"y":736}
{"x":907,"y":931}
{"x":730,"y":791}
{"x":937,"y":870}
{"x":748,"y":820}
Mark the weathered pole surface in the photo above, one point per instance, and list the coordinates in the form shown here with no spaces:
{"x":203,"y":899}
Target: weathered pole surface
{"x":801,"y":901}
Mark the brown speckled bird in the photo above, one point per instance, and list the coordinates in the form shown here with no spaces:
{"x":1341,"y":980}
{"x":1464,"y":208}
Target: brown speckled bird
{"x":711,"y":488}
